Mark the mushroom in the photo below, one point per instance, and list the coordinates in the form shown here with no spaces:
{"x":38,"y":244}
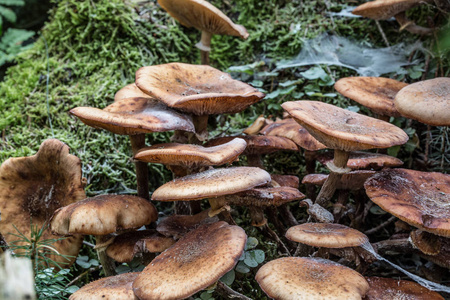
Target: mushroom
{"x":359,"y":160}
{"x":199,"y":90}
{"x":426,"y":242}
{"x":129,"y":91}
{"x":135,"y":117}
{"x":206,"y":18}
{"x":300,"y":278}
{"x":344,"y":131}
{"x":193,"y":263}
{"x":117,"y":287}
{"x":32,"y":188}
{"x":100,"y":216}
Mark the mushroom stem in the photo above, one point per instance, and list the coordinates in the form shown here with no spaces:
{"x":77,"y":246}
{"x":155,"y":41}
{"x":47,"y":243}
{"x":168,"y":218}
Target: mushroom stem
{"x":410,"y":26}
{"x":310,"y":164}
{"x":107,"y":262}
{"x":137,"y":143}
{"x":201,"y":130}
{"x":219,"y":206}
{"x":257,"y":216}
{"x":204,"y":46}
{"x":339,"y":168}
{"x":255,"y":160}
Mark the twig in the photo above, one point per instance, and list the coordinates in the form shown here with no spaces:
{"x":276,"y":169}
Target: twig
{"x":3,"y":243}
{"x":382,"y":33}
{"x":381,"y":226}
{"x":90,"y":270}
{"x":228,"y":293}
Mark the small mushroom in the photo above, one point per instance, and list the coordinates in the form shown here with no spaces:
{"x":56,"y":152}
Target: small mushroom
{"x":359,"y":160}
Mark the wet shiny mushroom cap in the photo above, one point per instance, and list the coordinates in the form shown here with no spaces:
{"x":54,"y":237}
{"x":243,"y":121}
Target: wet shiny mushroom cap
{"x":328,"y":235}
{"x":421,"y":199}
{"x":376,"y":93}
{"x":133,"y":116}
{"x":32,"y":188}
{"x":109,"y":288}
{"x":363,"y":160}
{"x":259,"y":144}
{"x":384,"y":9}
{"x":304,"y":278}
{"x":353,"y":180}
{"x":192,"y":155}
{"x":426,"y":101}
{"x":211,"y":183}
{"x":264,"y":197}
{"x":127,"y":245}
{"x":130,"y":91}
{"x":193,"y":263}
{"x":196,"y":89}
{"x":345,"y":130}
{"x":203,"y":16}
{"x":394,"y":289}
{"x":103,"y":214}
{"x":289,"y":128}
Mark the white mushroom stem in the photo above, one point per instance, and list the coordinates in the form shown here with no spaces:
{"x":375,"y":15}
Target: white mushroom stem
{"x":107,"y":262}
{"x":205,"y":47}
{"x":219,"y":206}
{"x":339,"y":167}
{"x":137,"y":143}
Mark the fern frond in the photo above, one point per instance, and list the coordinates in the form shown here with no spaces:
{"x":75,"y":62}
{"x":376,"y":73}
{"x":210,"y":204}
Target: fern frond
{"x":12,"y":2}
{"x":8,"y":14}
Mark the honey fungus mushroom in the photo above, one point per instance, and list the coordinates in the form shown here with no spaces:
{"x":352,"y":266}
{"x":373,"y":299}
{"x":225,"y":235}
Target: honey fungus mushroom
{"x":102,"y":215}
{"x":193,"y":263}
{"x":32,"y":188}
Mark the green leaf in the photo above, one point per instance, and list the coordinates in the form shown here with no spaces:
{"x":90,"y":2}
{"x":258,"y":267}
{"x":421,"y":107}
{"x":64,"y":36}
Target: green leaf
{"x":8,"y":14}
{"x":229,"y":277}
{"x":72,"y":289}
{"x":291,"y":82}
{"x":12,"y":2}
{"x":251,"y":243}
{"x":241,"y":267}
{"x":250,"y":259}
{"x":260,"y":256}
{"x":314,"y":73}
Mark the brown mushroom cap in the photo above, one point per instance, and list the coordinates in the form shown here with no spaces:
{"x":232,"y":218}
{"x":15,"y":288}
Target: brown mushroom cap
{"x":193,"y":263}
{"x":363,"y":160}
{"x":426,"y":242}
{"x":103,"y":214}
{"x":264,"y":197}
{"x":130,"y":91}
{"x":203,"y":16}
{"x":178,"y":225}
{"x":353,"y":180}
{"x":133,"y":116}
{"x":328,"y":235}
{"x":110,"y":288}
{"x":443,"y":258}
{"x":285,"y":180}
{"x":426,"y":101}
{"x":384,"y":9}
{"x":211,"y":183}
{"x":376,"y":93}
{"x":196,"y":89}
{"x":129,"y":244}
{"x":345,"y":130}
{"x":290,"y":129}
{"x":304,"y":278}
{"x":393,"y":289}
{"x":421,"y":199}
{"x":32,"y":188}
{"x":192,"y":155}
{"x":259,"y":144}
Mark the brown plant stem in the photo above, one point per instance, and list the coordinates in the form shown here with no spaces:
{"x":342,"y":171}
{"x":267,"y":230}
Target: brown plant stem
{"x":137,"y":143}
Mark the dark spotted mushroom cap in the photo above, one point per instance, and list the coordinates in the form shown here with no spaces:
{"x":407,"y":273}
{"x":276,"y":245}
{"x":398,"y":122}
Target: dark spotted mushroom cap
{"x":211,"y":183}
{"x":363,"y":160}
{"x":203,"y":16}
{"x":345,"y":130}
{"x":302,"y":278}
{"x":130,"y":91}
{"x":193,"y":263}
{"x":376,"y":93}
{"x":196,"y":89}
{"x":426,"y":101}
{"x":103,"y":214}
{"x":421,"y":199}
{"x":109,"y":288}
{"x":32,"y":188}
{"x":133,"y":116}
{"x":259,"y":144}
{"x":192,"y":155}
{"x":328,"y":235}
{"x":127,"y":245}
{"x":289,"y":128}
{"x":385,"y":9}
{"x":394,"y":289}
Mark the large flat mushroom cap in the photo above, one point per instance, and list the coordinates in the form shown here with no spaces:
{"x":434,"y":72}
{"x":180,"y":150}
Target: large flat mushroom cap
{"x":300,"y":278}
{"x":384,"y":9}
{"x":259,"y":144}
{"x":129,"y":91}
{"x":133,"y":116}
{"x":211,"y":183}
{"x":376,"y":93}
{"x":192,"y":155}
{"x":129,"y":244}
{"x":196,"y":89}
{"x":103,"y":214}
{"x":421,"y":199}
{"x":193,"y":263}
{"x":203,"y":16}
{"x":110,"y":288}
{"x":393,"y":289}
{"x":32,"y":188}
{"x":426,"y":101}
{"x":358,"y":160}
{"x":289,"y":128}
{"x":345,"y":130}
{"x":328,"y":235}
